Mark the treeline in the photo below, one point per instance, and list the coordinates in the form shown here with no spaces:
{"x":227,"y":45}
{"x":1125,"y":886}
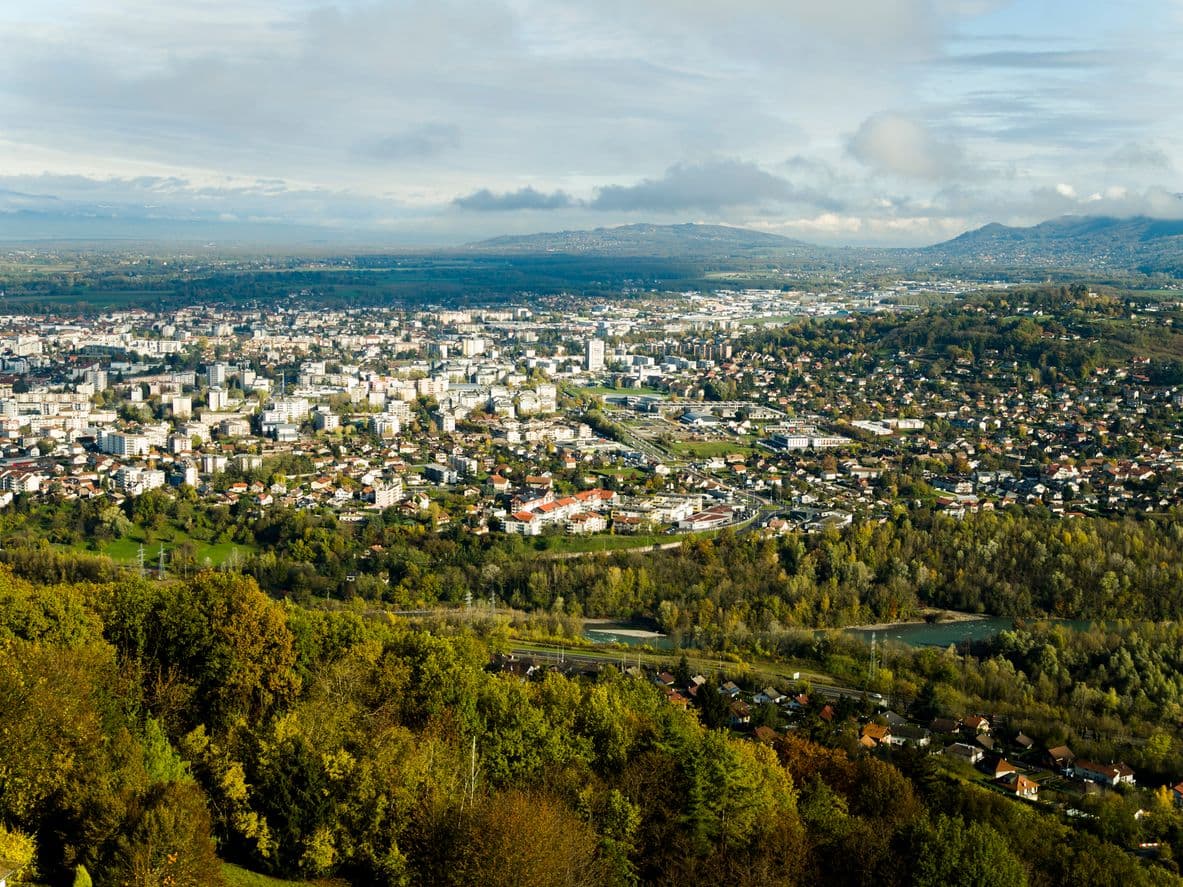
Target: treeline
{"x":148,"y":723}
{"x":1111,"y":690}
{"x":729,"y":590}
{"x":741,"y":589}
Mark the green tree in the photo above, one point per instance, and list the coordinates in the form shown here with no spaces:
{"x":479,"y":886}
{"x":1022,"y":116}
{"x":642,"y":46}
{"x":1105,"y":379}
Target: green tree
{"x":16,"y":851}
{"x":976,"y":855}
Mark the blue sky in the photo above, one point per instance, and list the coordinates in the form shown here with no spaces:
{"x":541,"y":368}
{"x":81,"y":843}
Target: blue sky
{"x":440,"y":121}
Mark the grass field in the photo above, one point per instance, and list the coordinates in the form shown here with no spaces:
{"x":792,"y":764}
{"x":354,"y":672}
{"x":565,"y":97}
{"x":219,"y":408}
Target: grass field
{"x":601,"y":542}
{"x":634,"y":474}
{"x":239,"y":877}
{"x":704,"y":449}
{"x":127,"y":549}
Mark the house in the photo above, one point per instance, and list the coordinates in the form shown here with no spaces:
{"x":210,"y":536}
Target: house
{"x":730,"y":690}
{"x":522,"y":523}
{"x":1024,"y":741}
{"x":908,"y":734}
{"x":875,"y":734}
{"x":976,"y":725}
{"x":766,"y":735}
{"x":1020,"y":785}
{"x":968,"y":753}
{"x":676,"y":699}
{"x":769,"y":694}
{"x":739,"y":714}
{"x":1059,"y":758}
{"x":1003,"y":767}
{"x":944,"y":725}
{"x":1103,"y":774}
{"x":1177,"y":794}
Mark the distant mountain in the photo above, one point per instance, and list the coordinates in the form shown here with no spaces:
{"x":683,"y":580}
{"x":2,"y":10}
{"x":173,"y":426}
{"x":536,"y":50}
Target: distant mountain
{"x":1137,"y":243}
{"x":1098,"y":243}
{"x":682,"y":241}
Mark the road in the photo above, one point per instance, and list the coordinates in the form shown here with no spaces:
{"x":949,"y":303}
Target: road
{"x":556,"y":652}
{"x":761,"y":509}
{"x":784,"y":673}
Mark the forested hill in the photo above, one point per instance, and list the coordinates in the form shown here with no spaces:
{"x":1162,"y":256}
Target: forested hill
{"x":151,"y":727}
{"x":686,"y":240}
{"x":1139,"y":243}
{"x":1072,"y":242}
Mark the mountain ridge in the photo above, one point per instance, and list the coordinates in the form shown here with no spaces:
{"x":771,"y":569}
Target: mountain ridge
{"x":1139,"y":243}
{"x":642,"y":236}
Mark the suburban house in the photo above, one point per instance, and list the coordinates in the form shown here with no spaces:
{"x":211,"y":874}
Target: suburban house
{"x":740,"y":713}
{"x":1004,"y":768}
{"x":945,"y":725}
{"x":769,"y":694}
{"x":976,"y":724}
{"x":1022,"y":787}
{"x":1059,"y":758}
{"x":968,"y":753}
{"x":907,"y":734}
{"x":1105,"y":774}
{"x":765,"y":735}
{"x":1177,"y":794}
{"x":874,"y":734}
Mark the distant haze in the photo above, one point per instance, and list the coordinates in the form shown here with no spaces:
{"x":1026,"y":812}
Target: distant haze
{"x":408,"y":122}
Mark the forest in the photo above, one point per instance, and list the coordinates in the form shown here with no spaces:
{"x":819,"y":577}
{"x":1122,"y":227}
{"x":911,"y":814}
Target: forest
{"x":155,"y":729}
{"x":728,"y":591}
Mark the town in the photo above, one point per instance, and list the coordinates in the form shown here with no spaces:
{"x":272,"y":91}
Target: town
{"x":661,"y":414}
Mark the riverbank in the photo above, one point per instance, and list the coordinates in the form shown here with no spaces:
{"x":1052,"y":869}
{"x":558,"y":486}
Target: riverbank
{"x":930,"y":616}
{"x":603,"y":630}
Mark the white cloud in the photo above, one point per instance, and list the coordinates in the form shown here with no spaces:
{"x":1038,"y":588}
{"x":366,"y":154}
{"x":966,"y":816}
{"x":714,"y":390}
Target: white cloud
{"x":394,"y":109}
{"x":897,"y":144}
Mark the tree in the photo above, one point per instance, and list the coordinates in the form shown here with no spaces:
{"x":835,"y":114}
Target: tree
{"x":529,"y":839}
{"x":216,"y":641}
{"x":166,"y":840}
{"x":953,"y":854}
{"x":16,"y":851}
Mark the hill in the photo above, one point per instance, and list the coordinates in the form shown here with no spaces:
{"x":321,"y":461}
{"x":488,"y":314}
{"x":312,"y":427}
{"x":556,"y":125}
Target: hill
{"x":1100,"y":242}
{"x":683,"y":241}
{"x":1096,"y":243}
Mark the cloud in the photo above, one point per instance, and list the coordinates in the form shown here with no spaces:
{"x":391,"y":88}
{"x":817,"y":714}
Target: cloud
{"x":1029,"y":59}
{"x":1116,"y":200}
{"x":1135,"y":155}
{"x":427,"y":141}
{"x":485,"y":200}
{"x":900,"y":145}
{"x":712,"y":185}
{"x":171,"y":197}
{"x":204,"y":109}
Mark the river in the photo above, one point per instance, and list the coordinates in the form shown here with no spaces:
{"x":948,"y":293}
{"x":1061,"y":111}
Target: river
{"x":938,"y":634}
{"x":914,"y":634}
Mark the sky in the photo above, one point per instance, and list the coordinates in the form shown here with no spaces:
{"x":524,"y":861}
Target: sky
{"x":437,"y":122}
